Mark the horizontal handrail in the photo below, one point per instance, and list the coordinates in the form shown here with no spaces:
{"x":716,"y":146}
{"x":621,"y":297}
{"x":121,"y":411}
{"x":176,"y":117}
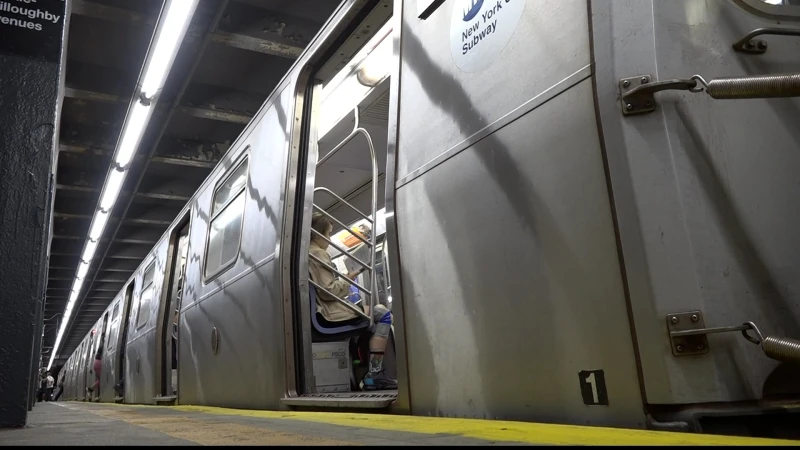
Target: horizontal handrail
{"x":342,"y":250}
{"x":346,"y":303}
{"x":336,"y":272}
{"x":326,"y":213}
{"x":334,"y":195}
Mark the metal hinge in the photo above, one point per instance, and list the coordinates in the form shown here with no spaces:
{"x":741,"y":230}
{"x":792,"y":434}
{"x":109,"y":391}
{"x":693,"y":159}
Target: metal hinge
{"x":688,"y":336}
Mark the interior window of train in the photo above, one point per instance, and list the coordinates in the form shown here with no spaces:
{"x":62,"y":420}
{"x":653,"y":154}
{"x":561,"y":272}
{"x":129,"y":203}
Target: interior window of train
{"x":225,"y":228}
{"x":344,"y":176}
{"x":145,"y":296}
{"x":110,"y":338}
{"x":345,"y":263}
{"x":774,"y":9}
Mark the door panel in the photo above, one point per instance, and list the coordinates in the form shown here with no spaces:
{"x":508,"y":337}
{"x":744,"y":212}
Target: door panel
{"x":512,"y":292}
{"x":705,"y":190}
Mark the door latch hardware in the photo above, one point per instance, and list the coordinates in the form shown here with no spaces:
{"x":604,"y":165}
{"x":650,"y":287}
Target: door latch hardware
{"x":637,"y":93}
{"x":687,"y":333}
{"x":688,"y":336}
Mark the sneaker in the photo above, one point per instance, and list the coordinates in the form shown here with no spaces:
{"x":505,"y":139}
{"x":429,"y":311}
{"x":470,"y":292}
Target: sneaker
{"x":378,"y":382}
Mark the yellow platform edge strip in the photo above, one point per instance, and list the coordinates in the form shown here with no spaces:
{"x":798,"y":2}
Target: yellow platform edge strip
{"x":492,"y":430}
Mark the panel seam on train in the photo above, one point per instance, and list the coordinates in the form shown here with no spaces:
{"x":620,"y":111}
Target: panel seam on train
{"x":548,"y":94}
{"x":233,"y":280}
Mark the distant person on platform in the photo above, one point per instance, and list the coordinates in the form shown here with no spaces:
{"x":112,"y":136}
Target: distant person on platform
{"x":97,"y":368}
{"x":50,"y":382}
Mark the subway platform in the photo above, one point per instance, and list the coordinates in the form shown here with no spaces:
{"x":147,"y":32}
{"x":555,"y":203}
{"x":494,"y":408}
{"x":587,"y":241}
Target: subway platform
{"x":73,"y":423}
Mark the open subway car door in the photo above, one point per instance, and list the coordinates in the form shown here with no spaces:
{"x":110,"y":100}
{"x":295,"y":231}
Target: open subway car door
{"x":508,"y":290}
{"x":347,"y":125}
{"x":698,"y":101}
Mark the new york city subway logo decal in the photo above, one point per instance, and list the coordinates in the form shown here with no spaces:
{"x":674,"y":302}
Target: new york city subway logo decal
{"x":480,"y":30}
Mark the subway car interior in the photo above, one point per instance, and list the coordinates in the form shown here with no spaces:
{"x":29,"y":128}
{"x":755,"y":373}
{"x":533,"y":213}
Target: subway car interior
{"x":346,"y":183}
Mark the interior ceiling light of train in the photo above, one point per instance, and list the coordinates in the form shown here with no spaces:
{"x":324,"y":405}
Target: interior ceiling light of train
{"x":146,"y":116}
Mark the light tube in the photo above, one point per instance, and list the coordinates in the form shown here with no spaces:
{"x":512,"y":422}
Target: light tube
{"x":134,"y":128}
{"x":98,"y":225}
{"x":82,"y":269}
{"x":88,"y":251}
{"x":111,"y":192}
{"x":170,"y":35}
{"x":77,"y":285}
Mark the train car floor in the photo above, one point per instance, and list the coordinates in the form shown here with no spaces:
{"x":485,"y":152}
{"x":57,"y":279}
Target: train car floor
{"x":74,"y":423}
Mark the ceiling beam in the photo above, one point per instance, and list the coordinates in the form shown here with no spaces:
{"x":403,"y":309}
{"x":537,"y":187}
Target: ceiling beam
{"x":141,"y":221}
{"x":180,"y":160}
{"x":155,"y":195}
{"x":261,"y":45}
{"x":254,"y":44}
{"x":201,"y":112}
{"x":117,"y":240}
{"x":100,"y":280}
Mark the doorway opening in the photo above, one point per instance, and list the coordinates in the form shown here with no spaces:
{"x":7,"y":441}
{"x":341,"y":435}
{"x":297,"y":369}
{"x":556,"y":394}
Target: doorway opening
{"x":344,"y":298}
{"x":98,"y":350}
{"x":170,"y":315}
{"x":122,"y":345}
{"x":88,"y":360}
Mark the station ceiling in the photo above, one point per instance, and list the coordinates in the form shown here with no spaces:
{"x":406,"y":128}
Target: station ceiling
{"x":234,"y":54}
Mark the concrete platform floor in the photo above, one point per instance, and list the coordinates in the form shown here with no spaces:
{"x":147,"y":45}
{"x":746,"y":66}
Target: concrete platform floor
{"x":72,"y":423}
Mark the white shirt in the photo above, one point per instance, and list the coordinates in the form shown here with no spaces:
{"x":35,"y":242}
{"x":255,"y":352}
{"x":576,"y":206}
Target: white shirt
{"x":50,"y":381}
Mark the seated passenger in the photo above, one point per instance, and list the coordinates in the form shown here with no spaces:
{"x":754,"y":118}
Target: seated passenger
{"x":332,"y":311}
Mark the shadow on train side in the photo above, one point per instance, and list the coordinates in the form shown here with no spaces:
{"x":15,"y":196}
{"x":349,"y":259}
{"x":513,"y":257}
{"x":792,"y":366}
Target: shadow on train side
{"x":760,"y":279}
{"x":556,"y":258}
{"x":252,"y":191}
{"x":756,"y":270}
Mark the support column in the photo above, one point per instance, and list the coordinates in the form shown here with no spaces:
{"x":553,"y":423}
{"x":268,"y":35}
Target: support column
{"x":32,"y":36}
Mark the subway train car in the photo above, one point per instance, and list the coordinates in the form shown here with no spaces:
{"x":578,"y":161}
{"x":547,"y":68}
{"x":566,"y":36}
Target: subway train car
{"x":579,"y":212}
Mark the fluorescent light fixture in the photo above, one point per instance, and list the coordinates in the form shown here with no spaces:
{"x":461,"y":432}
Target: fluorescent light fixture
{"x":77,"y":285}
{"x":88,"y":251}
{"x":111,"y":191}
{"x":349,"y":87}
{"x":170,"y":34}
{"x":82,"y":269}
{"x":170,"y":30}
{"x":134,"y":128}
{"x":377,"y":65}
{"x":98,"y":225}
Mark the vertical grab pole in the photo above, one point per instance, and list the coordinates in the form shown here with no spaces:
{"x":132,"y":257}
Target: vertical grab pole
{"x":373,"y":284}
{"x":372,"y":275}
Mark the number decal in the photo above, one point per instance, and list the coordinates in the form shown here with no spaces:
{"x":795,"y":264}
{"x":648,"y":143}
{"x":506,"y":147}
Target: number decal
{"x":593,"y":387}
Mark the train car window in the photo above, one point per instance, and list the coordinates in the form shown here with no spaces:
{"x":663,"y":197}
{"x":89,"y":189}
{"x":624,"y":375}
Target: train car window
{"x":115,"y":313}
{"x":774,"y":9}
{"x":145,"y":296}
{"x":225,"y":229}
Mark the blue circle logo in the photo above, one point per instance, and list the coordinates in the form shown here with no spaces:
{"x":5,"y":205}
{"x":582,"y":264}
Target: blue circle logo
{"x":473,"y":10}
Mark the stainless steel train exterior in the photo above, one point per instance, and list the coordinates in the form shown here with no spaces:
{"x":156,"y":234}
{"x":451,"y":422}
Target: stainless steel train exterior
{"x":548,"y":232}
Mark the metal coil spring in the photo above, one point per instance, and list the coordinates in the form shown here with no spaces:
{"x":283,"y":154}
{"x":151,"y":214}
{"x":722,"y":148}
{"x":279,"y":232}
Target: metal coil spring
{"x":782,"y":349}
{"x":769,"y":86}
